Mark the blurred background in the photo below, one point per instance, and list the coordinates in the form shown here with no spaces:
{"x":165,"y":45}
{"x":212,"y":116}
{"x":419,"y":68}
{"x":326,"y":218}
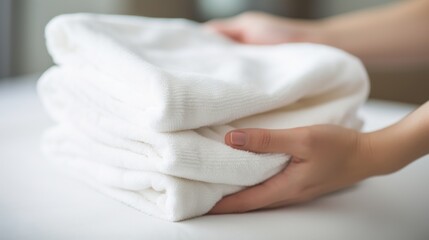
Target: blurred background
{"x":23,"y":52}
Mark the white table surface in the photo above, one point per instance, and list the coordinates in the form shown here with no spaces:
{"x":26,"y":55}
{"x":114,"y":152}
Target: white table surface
{"x":37,"y":202}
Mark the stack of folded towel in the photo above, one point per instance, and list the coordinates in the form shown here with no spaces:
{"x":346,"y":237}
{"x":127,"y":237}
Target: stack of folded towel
{"x":142,"y":106}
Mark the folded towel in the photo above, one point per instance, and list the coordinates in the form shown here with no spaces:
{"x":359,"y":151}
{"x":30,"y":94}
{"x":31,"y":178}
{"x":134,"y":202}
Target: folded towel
{"x":124,"y":83}
{"x":193,"y":154}
{"x":156,"y":194}
{"x":177,"y":75}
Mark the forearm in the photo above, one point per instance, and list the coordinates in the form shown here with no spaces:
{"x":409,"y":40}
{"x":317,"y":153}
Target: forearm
{"x":394,"y":35}
{"x":392,"y":148}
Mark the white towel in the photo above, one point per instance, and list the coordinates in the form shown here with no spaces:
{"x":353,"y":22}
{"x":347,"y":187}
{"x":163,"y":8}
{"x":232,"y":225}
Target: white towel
{"x":180,"y":76}
{"x":123,"y":81}
{"x":156,"y":194}
{"x":69,"y":97}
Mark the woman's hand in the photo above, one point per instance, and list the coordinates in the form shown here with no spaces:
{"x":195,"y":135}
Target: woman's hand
{"x":325,"y":158}
{"x":262,"y":28}
{"x":395,"y":35}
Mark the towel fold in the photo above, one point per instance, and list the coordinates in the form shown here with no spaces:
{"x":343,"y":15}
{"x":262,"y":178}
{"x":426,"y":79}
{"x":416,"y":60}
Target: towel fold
{"x":156,"y":194}
{"x":192,"y":154}
{"x":180,"y":76}
{"x":143,"y":105}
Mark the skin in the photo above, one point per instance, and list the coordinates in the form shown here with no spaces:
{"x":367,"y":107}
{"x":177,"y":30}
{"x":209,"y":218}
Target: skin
{"x":327,"y":158}
{"x":396,"y":35}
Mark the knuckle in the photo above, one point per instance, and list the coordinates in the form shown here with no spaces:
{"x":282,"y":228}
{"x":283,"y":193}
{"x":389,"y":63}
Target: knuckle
{"x":265,"y":139}
{"x":307,"y":139}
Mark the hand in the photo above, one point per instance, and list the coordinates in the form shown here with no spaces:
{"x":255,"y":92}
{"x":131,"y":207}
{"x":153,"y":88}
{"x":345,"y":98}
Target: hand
{"x":325,"y":158}
{"x":262,"y":28}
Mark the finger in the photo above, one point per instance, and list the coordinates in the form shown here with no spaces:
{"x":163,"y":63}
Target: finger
{"x":249,"y":199}
{"x":246,"y":200}
{"x":278,"y":204}
{"x":226,"y":27}
{"x":288,"y":202}
{"x":264,"y":140}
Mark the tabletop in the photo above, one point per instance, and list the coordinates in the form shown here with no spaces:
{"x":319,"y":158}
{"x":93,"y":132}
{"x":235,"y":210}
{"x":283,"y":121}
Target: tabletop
{"x":38,"y":202}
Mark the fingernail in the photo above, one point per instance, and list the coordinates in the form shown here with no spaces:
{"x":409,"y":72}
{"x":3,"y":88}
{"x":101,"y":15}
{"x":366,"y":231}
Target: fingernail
{"x":238,"y":138}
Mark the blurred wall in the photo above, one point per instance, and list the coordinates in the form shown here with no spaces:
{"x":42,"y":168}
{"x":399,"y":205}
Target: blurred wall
{"x":208,"y":9}
{"x":333,"y":7}
{"x":406,"y":84}
{"x":163,"y":8}
{"x":29,"y":54}
{"x":29,"y":17}
{"x":5,"y":39}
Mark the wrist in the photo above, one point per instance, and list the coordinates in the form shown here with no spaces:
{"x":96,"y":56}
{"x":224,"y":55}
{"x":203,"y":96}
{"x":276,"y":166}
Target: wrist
{"x":365,"y":155}
{"x":392,"y":148}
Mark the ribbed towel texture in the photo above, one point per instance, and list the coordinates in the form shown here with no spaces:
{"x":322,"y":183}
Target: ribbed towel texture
{"x":142,"y":106}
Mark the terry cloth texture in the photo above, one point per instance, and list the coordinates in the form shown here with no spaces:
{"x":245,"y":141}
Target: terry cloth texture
{"x":142,"y":106}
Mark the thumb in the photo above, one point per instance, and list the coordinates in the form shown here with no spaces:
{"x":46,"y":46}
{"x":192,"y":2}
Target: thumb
{"x":263,"y":140}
